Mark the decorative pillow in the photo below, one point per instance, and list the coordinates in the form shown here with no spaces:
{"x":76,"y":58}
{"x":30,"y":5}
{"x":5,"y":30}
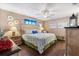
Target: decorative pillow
{"x":30,"y":31}
{"x":44,"y":31}
{"x":5,"y":44}
{"x":34,"y":32}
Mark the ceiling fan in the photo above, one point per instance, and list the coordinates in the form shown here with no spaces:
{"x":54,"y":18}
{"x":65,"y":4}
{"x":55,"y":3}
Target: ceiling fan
{"x":77,"y":5}
{"x":46,"y":12}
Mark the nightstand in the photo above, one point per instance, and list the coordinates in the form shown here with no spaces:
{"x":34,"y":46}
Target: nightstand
{"x":17,"y":40}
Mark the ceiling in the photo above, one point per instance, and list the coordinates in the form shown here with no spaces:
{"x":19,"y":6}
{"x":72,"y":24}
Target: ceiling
{"x":56,"y":10}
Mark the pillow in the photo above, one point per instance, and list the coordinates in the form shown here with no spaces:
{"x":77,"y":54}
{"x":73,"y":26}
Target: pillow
{"x":5,"y":44}
{"x":28,"y":31}
{"x":44,"y":31}
{"x":34,"y":32}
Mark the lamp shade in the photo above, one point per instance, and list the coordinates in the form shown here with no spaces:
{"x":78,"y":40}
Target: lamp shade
{"x":73,"y":21}
{"x":73,"y":17}
{"x":13,"y":29}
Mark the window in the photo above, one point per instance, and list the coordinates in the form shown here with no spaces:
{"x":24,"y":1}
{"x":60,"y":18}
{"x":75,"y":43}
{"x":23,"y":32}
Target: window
{"x":29,"y":21}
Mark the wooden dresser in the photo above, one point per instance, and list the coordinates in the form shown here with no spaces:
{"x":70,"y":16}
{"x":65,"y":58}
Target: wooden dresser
{"x":72,"y":41}
{"x":17,"y":40}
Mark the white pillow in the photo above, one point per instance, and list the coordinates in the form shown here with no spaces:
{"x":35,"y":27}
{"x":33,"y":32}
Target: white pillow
{"x":28,"y":31}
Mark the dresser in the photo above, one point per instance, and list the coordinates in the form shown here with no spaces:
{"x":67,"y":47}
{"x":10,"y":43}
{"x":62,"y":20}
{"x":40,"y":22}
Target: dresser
{"x":72,"y":41}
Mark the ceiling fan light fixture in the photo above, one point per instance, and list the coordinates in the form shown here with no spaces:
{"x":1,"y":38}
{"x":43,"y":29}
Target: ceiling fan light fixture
{"x":45,"y":12}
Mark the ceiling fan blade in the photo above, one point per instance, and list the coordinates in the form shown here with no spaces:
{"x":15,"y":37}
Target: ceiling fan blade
{"x":50,"y":16}
{"x":38,"y":14}
{"x":55,"y":10}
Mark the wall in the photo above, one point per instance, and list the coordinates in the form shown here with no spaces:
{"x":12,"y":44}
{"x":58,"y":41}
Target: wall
{"x":57,"y":26}
{"x":4,"y":20}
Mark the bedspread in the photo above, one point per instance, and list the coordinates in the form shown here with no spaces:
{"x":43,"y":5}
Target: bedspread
{"x":40,"y":40}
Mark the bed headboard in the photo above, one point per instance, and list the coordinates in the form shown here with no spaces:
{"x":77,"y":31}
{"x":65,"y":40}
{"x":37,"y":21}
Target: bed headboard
{"x":29,"y":31}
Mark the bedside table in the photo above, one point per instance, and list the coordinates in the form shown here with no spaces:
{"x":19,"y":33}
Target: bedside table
{"x":17,"y":40}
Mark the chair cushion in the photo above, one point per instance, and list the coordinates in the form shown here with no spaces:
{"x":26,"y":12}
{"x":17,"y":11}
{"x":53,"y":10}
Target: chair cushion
{"x":5,"y":44}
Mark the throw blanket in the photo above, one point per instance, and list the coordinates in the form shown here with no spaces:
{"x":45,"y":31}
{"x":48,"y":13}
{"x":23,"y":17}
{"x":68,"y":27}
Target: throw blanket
{"x":40,"y":39}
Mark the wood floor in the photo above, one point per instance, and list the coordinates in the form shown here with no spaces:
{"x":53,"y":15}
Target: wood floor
{"x":58,"y":49}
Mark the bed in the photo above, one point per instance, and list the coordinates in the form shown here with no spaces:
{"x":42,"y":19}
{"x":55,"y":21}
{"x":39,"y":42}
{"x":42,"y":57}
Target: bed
{"x":39,"y":41}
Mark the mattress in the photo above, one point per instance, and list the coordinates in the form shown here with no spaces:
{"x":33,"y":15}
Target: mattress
{"x":39,"y":41}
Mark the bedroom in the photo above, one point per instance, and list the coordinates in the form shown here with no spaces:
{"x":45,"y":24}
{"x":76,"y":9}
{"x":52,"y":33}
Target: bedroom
{"x":36,"y":29}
